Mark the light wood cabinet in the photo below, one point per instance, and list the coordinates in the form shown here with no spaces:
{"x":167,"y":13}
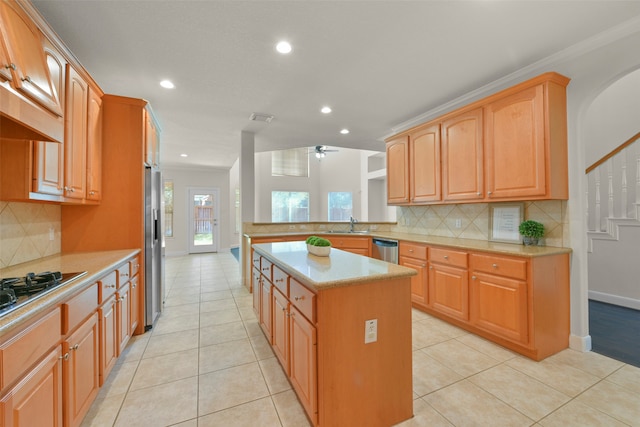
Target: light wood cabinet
{"x":94,"y":146}
{"x":152,"y":143}
{"x":424,"y":164}
{"x":462,"y":157}
{"x":37,"y":399}
{"x":356,"y":245}
{"x":449,"y":283}
{"x":123,"y":310}
{"x":80,"y":371}
{"x":508,"y":146}
{"x":75,"y":140}
{"x":134,"y":305}
{"x":48,"y":167}
{"x":398,"y":170}
{"x":25,"y":57}
{"x":414,"y":256}
{"x":108,"y":337}
{"x":280,"y":329}
{"x":304,"y":361}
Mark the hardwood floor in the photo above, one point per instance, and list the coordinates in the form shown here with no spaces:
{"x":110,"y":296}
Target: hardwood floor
{"x":614,"y":331}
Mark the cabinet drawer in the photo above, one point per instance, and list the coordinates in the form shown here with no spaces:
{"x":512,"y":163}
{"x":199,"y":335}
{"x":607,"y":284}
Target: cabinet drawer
{"x":124,"y":274}
{"x":502,"y":266}
{"x":79,"y":308}
{"x":412,"y":250}
{"x":107,"y":286}
{"x":303,"y":299}
{"x":266,"y":267}
{"x":134,"y":266}
{"x":281,"y":281}
{"x":22,"y":351}
{"x":448,"y":257}
{"x":350,"y":242}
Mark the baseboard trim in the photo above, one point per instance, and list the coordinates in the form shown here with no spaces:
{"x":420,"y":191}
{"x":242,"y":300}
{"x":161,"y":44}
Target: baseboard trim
{"x":615,"y":299}
{"x":582,"y":344}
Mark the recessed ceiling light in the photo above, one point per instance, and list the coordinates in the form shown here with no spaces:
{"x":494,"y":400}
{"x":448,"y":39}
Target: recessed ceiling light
{"x":325,"y":110}
{"x":344,"y":131}
{"x":167,"y":84}
{"x":183,"y":155}
{"x":283,"y":47}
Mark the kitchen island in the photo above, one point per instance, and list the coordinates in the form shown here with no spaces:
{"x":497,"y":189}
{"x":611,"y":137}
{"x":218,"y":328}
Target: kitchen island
{"x":341,"y":329}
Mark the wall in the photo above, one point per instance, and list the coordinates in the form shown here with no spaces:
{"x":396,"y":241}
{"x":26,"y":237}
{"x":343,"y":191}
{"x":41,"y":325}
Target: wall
{"x":235,"y":223}
{"x":338,"y":171}
{"x":25,"y":231}
{"x":183,"y":179}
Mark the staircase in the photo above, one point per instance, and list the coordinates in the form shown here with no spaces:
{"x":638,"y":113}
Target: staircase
{"x":613,"y":221}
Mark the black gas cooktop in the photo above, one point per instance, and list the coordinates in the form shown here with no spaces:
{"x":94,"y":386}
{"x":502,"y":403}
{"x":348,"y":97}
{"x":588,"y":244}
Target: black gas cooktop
{"x":15,"y":292}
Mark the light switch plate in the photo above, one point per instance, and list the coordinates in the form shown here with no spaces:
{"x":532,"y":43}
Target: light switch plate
{"x":370,"y":331}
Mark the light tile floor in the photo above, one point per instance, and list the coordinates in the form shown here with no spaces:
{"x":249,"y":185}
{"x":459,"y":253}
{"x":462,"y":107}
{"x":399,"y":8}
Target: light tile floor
{"x":207,"y":363}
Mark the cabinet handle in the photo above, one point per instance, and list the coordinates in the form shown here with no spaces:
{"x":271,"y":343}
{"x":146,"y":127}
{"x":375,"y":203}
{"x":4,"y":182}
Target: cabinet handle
{"x":473,"y":277}
{"x":75,"y":347}
{"x":27,"y":79}
{"x":64,"y":357}
{"x":124,"y":274}
{"x":410,"y":250}
{"x":495,"y":265}
{"x":109,"y":286}
{"x":134,"y":285}
{"x":298,"y":298}
{"x":279,"y":280}
{"x":11,"y":66}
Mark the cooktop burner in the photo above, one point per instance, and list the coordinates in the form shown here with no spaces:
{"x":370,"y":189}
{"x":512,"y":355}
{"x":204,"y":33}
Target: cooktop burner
{"x":18,"y":291}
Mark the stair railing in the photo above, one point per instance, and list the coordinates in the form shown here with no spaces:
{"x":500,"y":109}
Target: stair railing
{"x":612,"y":172}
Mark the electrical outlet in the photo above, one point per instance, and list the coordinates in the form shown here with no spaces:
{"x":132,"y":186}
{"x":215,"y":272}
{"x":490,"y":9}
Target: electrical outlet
{"x":370,"y":331}
{"x":458,"y":223}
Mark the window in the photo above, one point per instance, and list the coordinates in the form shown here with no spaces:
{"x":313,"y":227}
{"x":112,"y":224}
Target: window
{"x":168,"y":208}
{"x":292,"y":162}
{"x":340,"y":206}
{"x":289,"y":206}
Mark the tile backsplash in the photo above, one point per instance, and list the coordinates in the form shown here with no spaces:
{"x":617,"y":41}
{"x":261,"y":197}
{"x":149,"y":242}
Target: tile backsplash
{"x":471,"y":221}
{"x":26,"y":230}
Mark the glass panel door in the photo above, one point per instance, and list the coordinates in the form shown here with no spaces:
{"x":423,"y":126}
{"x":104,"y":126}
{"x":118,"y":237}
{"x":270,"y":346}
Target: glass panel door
{"x":203,"y":220}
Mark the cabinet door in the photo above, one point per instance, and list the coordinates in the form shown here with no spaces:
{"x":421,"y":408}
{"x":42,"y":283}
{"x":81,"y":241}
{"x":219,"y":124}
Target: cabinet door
{"x":424,"y":155}
{"x":48,"y":167}
{"x":398,"y":171}
{"x":81,"y":371}
{"x":37,"y":399}
{"x":499,"y":305}
{"x":256,"y":290}
{"x":75,"y":140}
{"x":419,"y":282}
{"x":134,"y":305}
{"x":94,"y":146}
{"x":152,"y":146}
{"x":265,"y":308}
{"x":515,"y":145}
{"x":108,"y":337}
{"x":280,"y":328}
{"x":462,"y":158}
{"x":24,"y":47}
{"x":123,"y":310}
{"x":303,"y":362}
{"x":449,"y":290}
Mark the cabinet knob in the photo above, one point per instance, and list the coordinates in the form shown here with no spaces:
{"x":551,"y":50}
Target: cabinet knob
{"x":75,"y":347}
{"x":424,"y":265}
{"x":494,"y":265}
{"x":479,"y":193}
{"x":298,"y":298}
{"x":279,"y":280}
{"x":489,"y":193}
{"x":410,"y":250}
{"x":473,"y":277}
{"x":446,"y":257}
{"x":92,"y":193}
{"x":64,"y":357}
{"x":109,"y":286}
{"x":431,"y":267}
{"x":125,"y":274}
{"x":27,"y":79}
{"x":11,"y":66}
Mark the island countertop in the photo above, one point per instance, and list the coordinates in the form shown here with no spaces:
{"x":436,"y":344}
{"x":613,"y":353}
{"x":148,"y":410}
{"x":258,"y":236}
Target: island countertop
{"x":340,"y":268}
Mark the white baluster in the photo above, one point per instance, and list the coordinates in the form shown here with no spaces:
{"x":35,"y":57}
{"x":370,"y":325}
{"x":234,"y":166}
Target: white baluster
{"x":609,"y":190}
{"x":623,"y":184}
{"x":596,"y":173}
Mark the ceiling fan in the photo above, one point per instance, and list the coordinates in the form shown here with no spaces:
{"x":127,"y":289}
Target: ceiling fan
{"x":321,"y":150}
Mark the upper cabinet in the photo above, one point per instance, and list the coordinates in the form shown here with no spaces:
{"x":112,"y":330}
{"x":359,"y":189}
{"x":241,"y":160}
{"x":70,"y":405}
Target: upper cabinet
{"x":509,"y":146}
{"x":75,"y":140}
{"x":152,"y":140}
{"x":398,"y":170}
{"x":24,"y":55}
{"x":94,"y":146}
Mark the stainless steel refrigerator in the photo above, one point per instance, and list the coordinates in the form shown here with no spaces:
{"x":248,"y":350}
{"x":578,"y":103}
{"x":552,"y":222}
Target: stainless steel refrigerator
{"x":153,"y":247}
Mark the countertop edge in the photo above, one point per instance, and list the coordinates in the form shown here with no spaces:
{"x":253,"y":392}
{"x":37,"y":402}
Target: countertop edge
{"x":48,"y":302}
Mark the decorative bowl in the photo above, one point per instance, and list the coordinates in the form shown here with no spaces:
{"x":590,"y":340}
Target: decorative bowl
{"x":319,"y":250}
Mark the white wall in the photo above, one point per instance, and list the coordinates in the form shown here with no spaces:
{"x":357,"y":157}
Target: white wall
{"x":612,"y":118}
{"x":234,"y":183}
{"x":338,"y":171}
{"x":183,"y":179}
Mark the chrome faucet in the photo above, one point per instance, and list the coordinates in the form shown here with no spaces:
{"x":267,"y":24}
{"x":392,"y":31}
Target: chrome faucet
{"x":352,"y":222}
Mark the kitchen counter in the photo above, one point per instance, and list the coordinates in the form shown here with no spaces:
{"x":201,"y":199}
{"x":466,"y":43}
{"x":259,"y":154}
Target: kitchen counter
{"x":96,"y":264}
{"x":468,"y":244}
{"x":340,"y":268}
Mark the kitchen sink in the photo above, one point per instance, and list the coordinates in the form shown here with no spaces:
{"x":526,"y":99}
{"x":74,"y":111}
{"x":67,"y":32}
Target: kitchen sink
{"x":348,"y":232}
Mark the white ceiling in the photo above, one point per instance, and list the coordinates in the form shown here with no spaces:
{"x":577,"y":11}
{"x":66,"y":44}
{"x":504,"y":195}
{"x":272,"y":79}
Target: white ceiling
{"x":378,"y":64}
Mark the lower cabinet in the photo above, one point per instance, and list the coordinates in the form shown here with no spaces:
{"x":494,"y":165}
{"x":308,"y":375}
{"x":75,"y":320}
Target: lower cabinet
{"x":304,"y":360}
{"x":123,"y":316}
{"x":108,"y":337}
{"x":415,"y":256}
{"x":80,"y":371}
{"x":356,"y":245}
{"x":37,"y":399}
{"x":448,"y":282}
{"x":265,"y":307}
{"x":280,"y":328}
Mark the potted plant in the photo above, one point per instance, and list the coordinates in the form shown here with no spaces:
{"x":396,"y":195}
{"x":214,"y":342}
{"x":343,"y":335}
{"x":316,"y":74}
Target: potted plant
{"x":531,"y":231}
{"x":318,"y":246}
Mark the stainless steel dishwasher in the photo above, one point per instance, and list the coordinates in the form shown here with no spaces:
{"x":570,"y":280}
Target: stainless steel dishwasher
{"x":386,"y":250}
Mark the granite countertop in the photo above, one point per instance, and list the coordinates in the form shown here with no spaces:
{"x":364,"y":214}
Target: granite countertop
{"x":451,"y":242}
{"x":340,"y":268}
{"x":96,"y":264}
